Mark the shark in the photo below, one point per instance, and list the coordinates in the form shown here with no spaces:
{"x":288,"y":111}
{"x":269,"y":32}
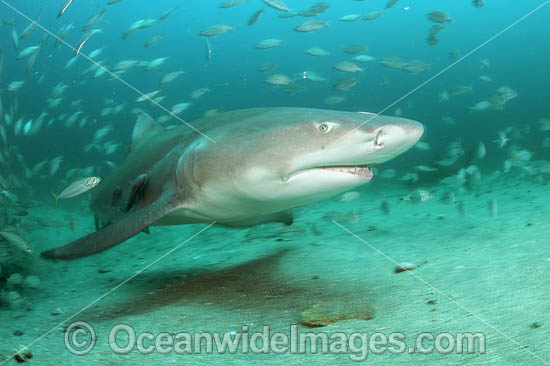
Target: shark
{"x":247,"y":167}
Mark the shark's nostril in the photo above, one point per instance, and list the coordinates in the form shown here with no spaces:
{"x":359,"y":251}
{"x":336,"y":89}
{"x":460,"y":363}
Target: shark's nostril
{"x":378,"y":143}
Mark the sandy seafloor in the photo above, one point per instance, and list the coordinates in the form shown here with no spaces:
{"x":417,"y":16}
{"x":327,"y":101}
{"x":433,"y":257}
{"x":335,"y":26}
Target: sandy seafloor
{"x":489,"y":274}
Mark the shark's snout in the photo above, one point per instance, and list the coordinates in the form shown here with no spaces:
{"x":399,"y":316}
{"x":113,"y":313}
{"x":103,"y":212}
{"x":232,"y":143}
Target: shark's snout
{"x":394,"y":138}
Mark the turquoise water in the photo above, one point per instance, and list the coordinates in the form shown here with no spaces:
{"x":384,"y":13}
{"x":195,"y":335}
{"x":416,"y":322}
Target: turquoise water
{"x":465,"y":209}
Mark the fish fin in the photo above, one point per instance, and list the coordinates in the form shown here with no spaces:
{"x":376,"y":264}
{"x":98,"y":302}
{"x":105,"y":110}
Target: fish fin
{"x":55,"y":198}
{"x":145,"y":127}
{"x":286,"y":217}
{"x":115,"y":233}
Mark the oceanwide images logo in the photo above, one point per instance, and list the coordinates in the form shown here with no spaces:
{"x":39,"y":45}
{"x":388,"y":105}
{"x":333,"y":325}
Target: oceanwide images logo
{"x":80,"y":339}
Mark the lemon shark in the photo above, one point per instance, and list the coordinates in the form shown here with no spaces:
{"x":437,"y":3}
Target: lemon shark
{"x":250,"y":166}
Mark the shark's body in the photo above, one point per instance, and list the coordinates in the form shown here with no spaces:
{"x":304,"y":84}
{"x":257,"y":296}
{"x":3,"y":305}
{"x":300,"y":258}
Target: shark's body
{"x":253,"y":166}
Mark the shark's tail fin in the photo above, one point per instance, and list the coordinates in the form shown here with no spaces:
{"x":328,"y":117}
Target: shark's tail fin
{"x":55,"y":198}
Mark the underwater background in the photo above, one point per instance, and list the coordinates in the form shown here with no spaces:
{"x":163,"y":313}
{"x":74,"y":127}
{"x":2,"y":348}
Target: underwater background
{"x":466,"y":209}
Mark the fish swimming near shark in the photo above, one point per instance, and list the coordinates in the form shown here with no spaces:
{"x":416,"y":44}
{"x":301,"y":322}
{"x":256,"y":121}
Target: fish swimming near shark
{"x":251,"y":166}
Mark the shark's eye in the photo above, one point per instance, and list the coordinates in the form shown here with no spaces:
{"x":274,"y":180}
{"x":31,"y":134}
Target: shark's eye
{"x":324,"y":127}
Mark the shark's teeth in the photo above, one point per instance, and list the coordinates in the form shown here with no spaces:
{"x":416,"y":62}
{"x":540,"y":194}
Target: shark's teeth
{"x":361,"y":171}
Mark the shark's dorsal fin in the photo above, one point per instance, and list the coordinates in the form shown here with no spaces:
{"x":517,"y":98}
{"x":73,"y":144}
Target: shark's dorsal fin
{"x":145,"y":127}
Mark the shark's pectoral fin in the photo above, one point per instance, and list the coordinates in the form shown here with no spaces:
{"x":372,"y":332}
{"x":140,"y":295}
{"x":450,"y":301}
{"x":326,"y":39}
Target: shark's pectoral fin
{"x":286,"y":217}
{"x":113,"y":234}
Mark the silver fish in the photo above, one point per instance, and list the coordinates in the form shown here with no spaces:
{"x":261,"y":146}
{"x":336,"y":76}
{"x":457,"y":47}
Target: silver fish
{"x":77,"y":188}
{"x":85,"y":39}
{"x":93,"y":20}
{"x":29,"y":28}
{"x":27,"y":52}
{"x":255,"y":16}
{"x":64,"y":8}
{"x":17,"y":241}
{"x":208,"y":49}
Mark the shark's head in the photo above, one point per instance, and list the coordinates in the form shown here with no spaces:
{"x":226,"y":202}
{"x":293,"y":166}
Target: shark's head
{"x":285,"y":157}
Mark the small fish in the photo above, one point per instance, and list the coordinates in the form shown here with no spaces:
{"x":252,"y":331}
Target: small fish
{"x":27,"y":52}
{"x":255,"y":16}
{"x":17,"y":241}
{"x":493,"y":207}
{"x":216,"y":29}
{"x":269,"y":43}
{"x":312,"y":76}
{"x":267,"y":67}
{"x":15,"y":85}
{"x":196,"y":94}
{"x":29,"y":28}
{"x":502,"y":139}
{"x":385,"y":207}
{"x":391,"y":3}
{"x":374,"y":15}
{"x":125,"y":65}
{"x":208,"y":49}
{"x":347,"y":66}
{"x":167,"y":13}
{"x":317,"y":51}
{"x":422,"y":146}
{"x":154,"y":40}
{"x":345,"y":84}
{"x":351,"y":18}
{"x":85,"y":39}
{"x":459,"y":90}
{"x":231,"y":3}
{"x":180,"y":107}
{"x":277,"y":4}
{"x":63,"y":34}
{"x":147,"y":96}
{"x":171,"y":76}
{"x":155,"y":63}
{"x":101,"y":133}
{"x":311,"y":25}
{"x":364,"y":58}
{"x":409,"y":177}
{"x":93,"y":20}
{"x":486,"y":78}
{"x":95,"y":52}
{"x":425,"y":168}
{"x":64,"y":8}
{"x":77,"y":188}
{"x":334,"y":99}
{"x":54,"y":164}
{"x":31,"y":61}
{"x":139,"y":24}
{"x":438,"y":16}
{"x":14,"y":38}
{"x":481,"y":150}
{"x":354,"y":49}
{"x":481,"y":106}
{"x":278,"y":79}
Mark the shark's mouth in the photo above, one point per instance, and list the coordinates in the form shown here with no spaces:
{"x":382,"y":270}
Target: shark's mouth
{"x":361,"y":170}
